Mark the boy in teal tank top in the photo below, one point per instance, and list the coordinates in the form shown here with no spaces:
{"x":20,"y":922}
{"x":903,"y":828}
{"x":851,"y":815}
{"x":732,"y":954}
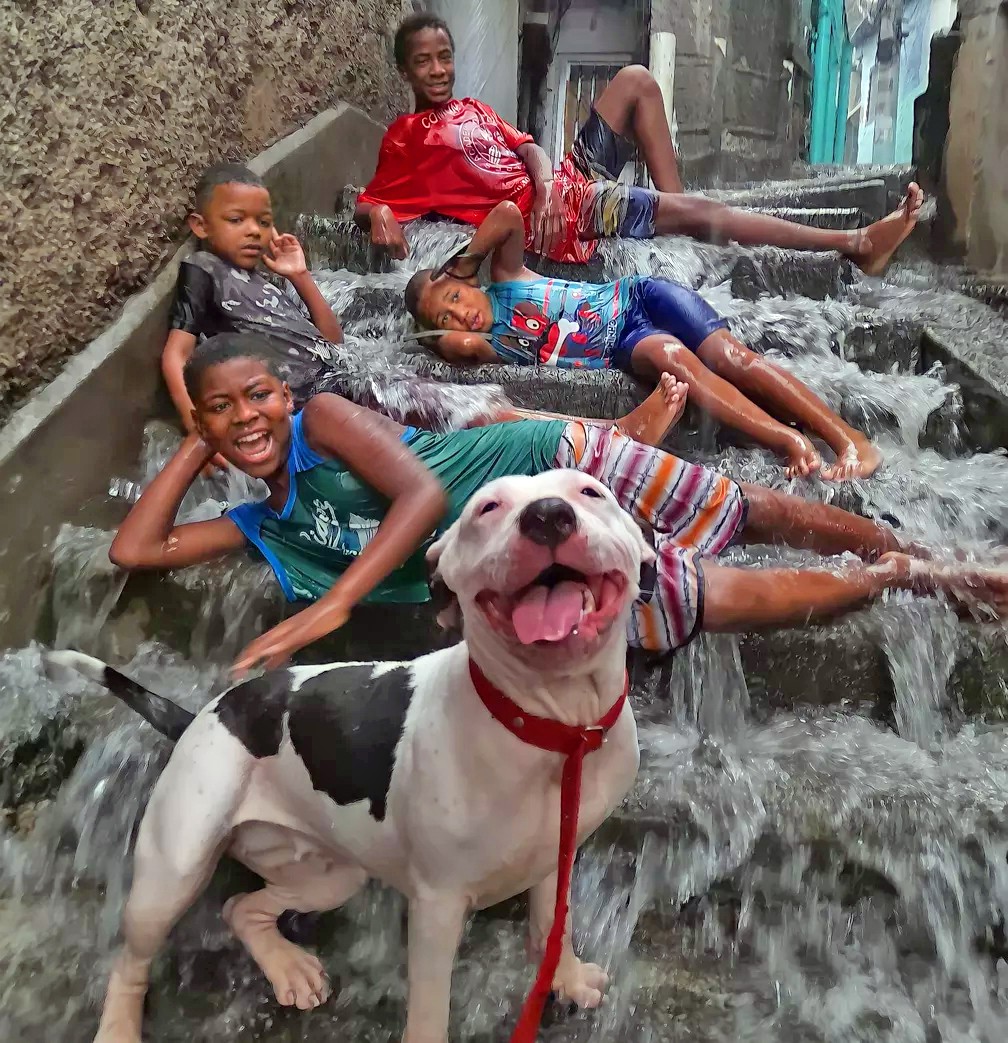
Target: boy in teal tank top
{"x":354,"y":498}
{"x":643,"y":326}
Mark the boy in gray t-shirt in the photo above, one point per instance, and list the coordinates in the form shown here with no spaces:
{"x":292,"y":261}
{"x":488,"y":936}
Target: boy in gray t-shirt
{"x":221,"y":291}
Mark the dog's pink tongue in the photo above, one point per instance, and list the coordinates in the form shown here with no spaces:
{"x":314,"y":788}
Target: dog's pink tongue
{"x":548,"y":614}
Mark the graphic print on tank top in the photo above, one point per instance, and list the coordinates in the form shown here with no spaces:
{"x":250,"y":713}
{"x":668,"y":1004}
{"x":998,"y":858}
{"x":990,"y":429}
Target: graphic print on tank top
{"x":328,"y":531}
{"x":550,"y":322}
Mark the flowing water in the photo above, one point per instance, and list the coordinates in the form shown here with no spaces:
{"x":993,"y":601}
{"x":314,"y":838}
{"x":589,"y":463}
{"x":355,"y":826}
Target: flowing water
{"x":832,"y":871}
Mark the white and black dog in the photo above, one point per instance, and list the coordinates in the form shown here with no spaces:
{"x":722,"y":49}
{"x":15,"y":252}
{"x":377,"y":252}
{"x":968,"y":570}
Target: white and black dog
{"x":320,"y":777}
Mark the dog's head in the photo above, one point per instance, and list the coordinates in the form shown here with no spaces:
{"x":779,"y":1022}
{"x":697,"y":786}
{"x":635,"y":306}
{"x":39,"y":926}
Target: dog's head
{"x":545,"y":568}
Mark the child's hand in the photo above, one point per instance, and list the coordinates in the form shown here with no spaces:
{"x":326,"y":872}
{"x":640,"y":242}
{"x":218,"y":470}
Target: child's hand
{"x":387,"y":232}
{"x":547,"y":220}
{"x":217,"y":464}
{"x":276,"y":646}
{"x":285,"y":256}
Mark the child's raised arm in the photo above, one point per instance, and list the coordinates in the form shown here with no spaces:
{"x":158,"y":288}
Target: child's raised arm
{"x":149,"y":537}
{"x":502,"y":237}
{"x":178,"y":347}
{"x":285,"y":257}
{"x":371,"y":447}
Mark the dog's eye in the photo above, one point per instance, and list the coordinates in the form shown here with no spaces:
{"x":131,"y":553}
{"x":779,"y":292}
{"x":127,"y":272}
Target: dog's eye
{"x":593,"y":493}
{"x":491,"y":505}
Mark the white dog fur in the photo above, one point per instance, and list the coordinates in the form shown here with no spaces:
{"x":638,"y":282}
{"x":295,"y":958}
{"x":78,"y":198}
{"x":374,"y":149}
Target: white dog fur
{"x":320,"y":777}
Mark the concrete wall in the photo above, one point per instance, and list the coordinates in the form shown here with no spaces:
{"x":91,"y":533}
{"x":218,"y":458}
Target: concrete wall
{"x":976,"y":149}
{"x":110,"y":110}
{"x":740,"y":85}
{"x":486,"y":50}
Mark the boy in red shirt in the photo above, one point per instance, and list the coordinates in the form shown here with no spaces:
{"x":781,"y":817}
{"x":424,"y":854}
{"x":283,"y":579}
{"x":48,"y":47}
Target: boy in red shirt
{"x":458,"y":159}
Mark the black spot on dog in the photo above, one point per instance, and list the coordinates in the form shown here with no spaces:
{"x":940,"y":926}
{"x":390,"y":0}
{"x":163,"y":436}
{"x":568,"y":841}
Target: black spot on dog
{"x":253,"y":712}
{"x":345,"y":725}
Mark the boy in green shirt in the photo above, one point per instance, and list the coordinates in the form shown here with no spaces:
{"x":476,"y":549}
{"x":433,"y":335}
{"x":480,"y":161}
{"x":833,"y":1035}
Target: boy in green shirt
{"x":354,"y":498}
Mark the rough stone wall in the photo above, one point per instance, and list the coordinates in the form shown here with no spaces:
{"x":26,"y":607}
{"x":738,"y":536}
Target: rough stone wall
{"x":108,"y":113}
{"x":740,"y":80}
{"x":975,"y":167}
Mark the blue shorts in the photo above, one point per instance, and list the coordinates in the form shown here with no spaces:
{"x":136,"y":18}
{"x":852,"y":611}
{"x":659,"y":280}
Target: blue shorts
{"x":605,"y":206}
{"x":658,"y":306}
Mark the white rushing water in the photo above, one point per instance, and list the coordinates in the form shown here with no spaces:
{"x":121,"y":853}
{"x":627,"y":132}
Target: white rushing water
{"x":831,"y":871}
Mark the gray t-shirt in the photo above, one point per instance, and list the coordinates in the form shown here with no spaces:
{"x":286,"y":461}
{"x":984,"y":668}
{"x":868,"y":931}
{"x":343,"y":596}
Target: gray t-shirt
{"x":214,"y":297}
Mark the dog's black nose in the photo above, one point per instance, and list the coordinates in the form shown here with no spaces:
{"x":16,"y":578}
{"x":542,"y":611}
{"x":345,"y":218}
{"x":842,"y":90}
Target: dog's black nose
{"x":548,"y":522}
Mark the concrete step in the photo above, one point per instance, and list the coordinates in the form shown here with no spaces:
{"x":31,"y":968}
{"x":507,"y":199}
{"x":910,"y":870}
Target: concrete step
{"x":335,"y":244}
{"x":866,"y":194}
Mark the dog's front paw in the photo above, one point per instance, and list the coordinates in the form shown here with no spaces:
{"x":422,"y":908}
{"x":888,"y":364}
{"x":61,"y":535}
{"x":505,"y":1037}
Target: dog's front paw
{"x":580,"y":983}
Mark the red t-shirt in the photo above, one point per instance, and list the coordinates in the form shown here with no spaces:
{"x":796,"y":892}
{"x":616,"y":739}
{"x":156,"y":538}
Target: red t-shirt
{"x":460,"y":161}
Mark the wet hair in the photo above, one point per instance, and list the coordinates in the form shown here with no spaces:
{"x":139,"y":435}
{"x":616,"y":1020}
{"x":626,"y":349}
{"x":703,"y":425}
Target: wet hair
{"x":224,"y":174}
{"x":413,"y":290}
{"x":409,"y":27}
{"x":225,"y":347}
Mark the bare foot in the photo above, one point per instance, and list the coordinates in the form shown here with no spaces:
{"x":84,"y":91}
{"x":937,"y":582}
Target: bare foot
{"x":860,"y":459}
{"x":652,"y":420}
{"x":581,"y":983}
{"x":802,"y":456}
{"x":298,"y":978}
{"x":875,"y":245}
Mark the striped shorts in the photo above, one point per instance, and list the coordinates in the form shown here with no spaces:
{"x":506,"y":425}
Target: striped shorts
{"x":690,"y":511}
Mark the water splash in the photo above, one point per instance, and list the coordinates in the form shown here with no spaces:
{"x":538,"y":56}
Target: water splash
{"x":802,"y":875}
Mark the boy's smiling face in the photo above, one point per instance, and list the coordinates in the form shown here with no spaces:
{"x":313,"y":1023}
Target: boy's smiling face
{"x":243,"y":412}
{"x":430,"y":67}
{"x":236,"y":223}
{"x":451,"y":304}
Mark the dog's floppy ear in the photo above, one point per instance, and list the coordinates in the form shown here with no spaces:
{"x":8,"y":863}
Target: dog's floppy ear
{"x":446,"y":606}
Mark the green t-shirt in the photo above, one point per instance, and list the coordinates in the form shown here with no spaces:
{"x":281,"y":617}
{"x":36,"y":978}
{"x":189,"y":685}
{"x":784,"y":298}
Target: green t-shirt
{"x":331,"y":516}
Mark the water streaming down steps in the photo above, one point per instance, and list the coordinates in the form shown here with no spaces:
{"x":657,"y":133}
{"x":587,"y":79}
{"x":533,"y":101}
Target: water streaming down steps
{"x":816,"y":847}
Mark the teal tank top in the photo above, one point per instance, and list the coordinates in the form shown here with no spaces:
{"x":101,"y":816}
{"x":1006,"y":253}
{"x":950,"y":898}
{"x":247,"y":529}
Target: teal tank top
{"x":551,"y":322}
{"x":330,"y":515}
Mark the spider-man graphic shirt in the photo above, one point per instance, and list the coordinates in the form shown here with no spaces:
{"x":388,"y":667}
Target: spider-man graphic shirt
{"x":550,"y":322}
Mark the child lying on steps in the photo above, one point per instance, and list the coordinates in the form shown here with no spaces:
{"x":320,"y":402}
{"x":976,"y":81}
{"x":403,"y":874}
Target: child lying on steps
{"x":644,"y":326}
{"x":221,"y":290}
{"x":354,"y":497}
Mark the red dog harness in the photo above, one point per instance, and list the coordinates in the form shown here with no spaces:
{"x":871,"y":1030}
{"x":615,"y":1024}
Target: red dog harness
{"x":573,"y":741}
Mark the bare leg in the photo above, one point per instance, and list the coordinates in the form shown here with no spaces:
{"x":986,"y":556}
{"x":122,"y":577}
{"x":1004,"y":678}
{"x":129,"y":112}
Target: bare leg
{"x":869,"y":248}
{"x":664,"y":354}
{"x":742,"y":599}
{"x":632,"y":104}
{"x":648,"y":424}
{"x":582,"y":983}
{"x":788,"y":397}
{"x":297,"y":976}
{"x":779,"y":518}
{"x":435,"y":930}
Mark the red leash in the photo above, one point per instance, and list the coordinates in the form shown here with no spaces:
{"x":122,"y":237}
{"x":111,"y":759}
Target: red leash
{"x":573,"y":741}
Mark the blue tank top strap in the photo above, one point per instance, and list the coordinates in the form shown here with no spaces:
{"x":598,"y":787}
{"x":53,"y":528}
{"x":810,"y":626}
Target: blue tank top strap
{"x":249,"y":517}
{"x":303,"y":457}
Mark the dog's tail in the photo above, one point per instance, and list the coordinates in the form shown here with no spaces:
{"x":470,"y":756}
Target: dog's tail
{"x":160,"y":713}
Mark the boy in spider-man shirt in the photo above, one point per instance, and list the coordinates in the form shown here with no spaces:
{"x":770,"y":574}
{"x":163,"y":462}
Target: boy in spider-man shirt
{"x":643,"y":326}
